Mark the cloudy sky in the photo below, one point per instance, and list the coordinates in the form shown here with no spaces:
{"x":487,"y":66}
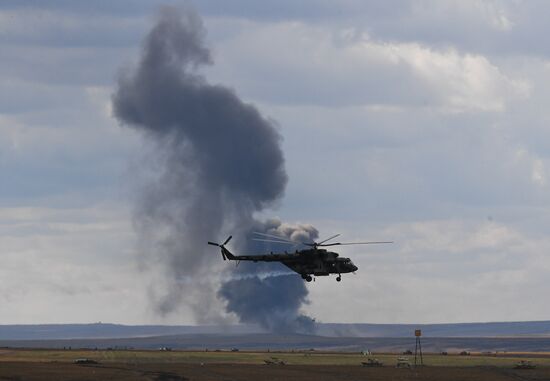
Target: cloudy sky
{"x":422,"y":122}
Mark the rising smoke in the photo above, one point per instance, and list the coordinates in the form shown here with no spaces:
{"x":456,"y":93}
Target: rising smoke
{"x":218,"y":162}
{"x":272,"y":302}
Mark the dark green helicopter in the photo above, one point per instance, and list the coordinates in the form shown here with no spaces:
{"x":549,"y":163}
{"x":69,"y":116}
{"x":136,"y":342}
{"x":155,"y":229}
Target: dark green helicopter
{"x":313,"y":261}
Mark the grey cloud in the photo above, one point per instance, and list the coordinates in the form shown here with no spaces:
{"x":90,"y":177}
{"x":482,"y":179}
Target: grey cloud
{"x":300,"y":64}
{"x":493,"y":28}
{"x":100,"y":7}
{"x":60,"y":67}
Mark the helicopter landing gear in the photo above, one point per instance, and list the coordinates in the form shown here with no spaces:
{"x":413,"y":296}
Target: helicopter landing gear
{"x":338,"y":278}
{"x":309,"y":278}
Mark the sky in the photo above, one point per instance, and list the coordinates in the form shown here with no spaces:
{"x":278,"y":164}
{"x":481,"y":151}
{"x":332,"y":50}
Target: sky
{"x":421,"y":122}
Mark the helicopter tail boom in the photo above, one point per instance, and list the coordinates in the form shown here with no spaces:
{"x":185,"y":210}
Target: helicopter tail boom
{"x":226,"y":254}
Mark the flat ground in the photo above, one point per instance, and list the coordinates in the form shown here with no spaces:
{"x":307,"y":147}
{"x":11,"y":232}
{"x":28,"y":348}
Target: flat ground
{"x":244,"y":366}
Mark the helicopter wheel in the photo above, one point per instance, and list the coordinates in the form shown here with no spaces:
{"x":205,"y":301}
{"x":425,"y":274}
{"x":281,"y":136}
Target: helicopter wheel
{"x":309,"y":278}
{"x":338,"y":278}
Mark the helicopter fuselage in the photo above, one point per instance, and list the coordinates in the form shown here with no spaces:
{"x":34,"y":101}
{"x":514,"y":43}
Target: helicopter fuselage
{"x":319,"y":262}
{"x":315,"y":261}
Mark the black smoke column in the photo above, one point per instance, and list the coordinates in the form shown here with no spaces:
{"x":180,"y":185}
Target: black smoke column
{"x":273,"y":301}
{"x":217,"y":162}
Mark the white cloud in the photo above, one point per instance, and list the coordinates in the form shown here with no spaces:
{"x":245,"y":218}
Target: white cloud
{"x":440,"y":271}
{"x":463,"y":82}
{"x":340,"y":67}
{"x":494,"y":14}
{"x":100,"y":96}
{"x":54,"y":260}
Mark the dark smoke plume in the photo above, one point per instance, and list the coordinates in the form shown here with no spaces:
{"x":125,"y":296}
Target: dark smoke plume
{"x":218,"y":161}
{"x":273,"y":302}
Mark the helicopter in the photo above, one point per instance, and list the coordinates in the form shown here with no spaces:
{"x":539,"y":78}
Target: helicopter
{"x":314,"y":261}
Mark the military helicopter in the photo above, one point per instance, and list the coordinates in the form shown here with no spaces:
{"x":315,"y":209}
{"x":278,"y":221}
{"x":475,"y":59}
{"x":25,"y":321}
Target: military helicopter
{"x":312,"y":261}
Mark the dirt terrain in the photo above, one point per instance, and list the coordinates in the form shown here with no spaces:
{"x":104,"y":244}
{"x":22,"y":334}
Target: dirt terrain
{"x":17,"y":371}
{"x":18,"y":365}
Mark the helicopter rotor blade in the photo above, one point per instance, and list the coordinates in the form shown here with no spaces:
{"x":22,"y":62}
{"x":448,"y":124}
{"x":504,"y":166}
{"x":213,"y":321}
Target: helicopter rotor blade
{"x":213,"y":243}
{"x":310,"y":244}
{"x":275,"y":241}
{"x":227,"y":240}
{"x":273,"y":236}
{"x":355,"y":243}
{"x":328,"y":239}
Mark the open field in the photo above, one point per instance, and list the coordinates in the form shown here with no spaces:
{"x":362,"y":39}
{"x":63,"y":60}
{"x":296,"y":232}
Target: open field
{"x":18,"y":364}
{"x":288,"y":342}
{"x":291,"y":358}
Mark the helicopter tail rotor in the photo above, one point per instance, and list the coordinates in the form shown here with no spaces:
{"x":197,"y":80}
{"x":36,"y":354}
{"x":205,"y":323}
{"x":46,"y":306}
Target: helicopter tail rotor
{"x":225,"y":252}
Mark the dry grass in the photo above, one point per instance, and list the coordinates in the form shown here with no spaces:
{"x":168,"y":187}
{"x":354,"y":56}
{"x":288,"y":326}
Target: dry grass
{"x":205,"y":366}
{"x":243,"y":357}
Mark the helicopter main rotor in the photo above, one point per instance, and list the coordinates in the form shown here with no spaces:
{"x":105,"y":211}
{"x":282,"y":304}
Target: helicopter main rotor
{"x":283,"y":240}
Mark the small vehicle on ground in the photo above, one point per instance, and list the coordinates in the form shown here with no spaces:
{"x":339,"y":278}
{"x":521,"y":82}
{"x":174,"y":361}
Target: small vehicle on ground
{"x":274,"y":361}
{"x":525,"y":364}
{"x":84,"y":361}
{"x":372,"y":363}
{"x":403,"y":362}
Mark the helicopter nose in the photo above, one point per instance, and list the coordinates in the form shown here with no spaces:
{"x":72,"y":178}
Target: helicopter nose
{"x":355,"y":268}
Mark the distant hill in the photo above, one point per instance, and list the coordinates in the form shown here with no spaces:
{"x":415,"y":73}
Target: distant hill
{"x":496,"y":329}
{"x":334,"y":330}
{"x":282,"y":342}
{"x":110,"y":331}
